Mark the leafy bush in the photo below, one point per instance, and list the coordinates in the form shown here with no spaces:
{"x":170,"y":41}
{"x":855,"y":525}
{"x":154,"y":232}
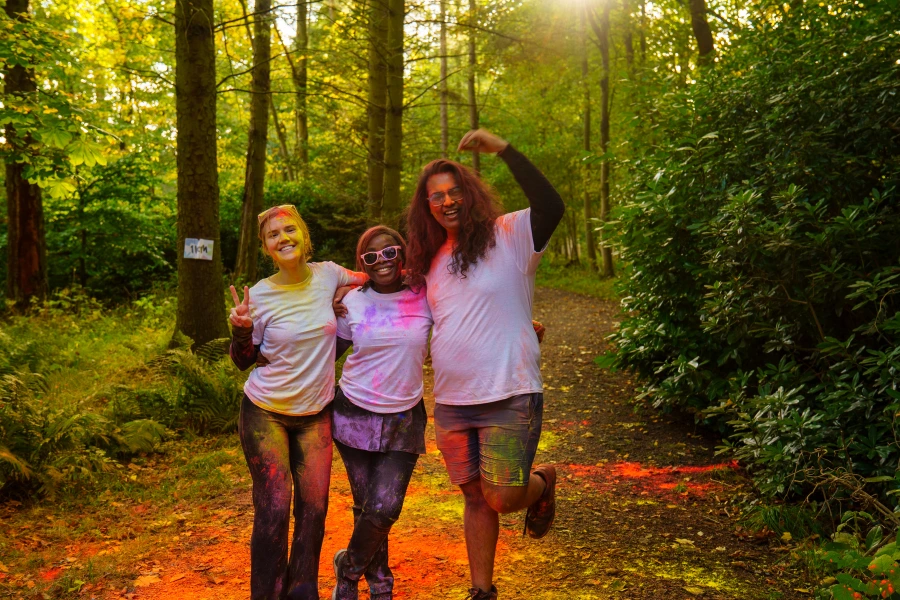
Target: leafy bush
{"x":114,"y":233}
{"x":762,"y":249}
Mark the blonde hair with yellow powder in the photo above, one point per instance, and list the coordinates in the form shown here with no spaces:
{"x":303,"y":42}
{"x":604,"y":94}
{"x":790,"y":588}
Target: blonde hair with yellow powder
{"x":288,"y":211}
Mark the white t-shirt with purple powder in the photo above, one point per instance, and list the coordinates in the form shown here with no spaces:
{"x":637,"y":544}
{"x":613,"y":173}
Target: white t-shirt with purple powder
{"x":294,"y":325}
{"x":483,"y":346}
{"x":390,"y":338}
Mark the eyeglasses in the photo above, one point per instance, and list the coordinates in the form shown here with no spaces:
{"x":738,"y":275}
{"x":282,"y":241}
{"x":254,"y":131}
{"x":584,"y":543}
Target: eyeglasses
{"x":389,"y":253}
{"x":437,"y":198}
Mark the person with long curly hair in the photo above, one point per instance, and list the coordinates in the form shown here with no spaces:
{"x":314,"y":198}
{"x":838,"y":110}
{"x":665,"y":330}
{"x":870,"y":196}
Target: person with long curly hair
{"x":478,"y":267}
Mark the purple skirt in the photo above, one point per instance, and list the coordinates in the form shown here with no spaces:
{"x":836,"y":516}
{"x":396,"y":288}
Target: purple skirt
{"x":376,"y":432}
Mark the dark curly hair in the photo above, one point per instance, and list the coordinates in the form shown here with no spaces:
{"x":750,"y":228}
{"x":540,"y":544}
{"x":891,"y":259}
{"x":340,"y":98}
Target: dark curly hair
{"x":479,"y":210}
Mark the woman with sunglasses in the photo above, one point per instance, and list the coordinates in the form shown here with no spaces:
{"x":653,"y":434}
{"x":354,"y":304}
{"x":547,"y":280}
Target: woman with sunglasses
{"x":285,"y":421}
{"x":378,"y":412}
{"x":479,"y":266}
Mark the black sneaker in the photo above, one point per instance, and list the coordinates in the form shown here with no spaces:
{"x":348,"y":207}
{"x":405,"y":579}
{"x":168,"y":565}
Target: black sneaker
{"x":479,"y":594}
{"x":344,"y":589}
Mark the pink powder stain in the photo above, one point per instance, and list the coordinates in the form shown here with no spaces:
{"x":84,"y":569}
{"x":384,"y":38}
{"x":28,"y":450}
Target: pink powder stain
{"x":331,"y":327}
{"x":51,"y":574}
{"x":644,"y":480}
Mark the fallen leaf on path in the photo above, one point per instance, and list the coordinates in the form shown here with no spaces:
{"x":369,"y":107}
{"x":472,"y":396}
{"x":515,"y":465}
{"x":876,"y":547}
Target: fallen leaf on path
{"x":145,"y":580}
{"x":178,"y":577}
{"x":684,"y":542}
{"x":693,"y":591}
{"x":3,"y":568}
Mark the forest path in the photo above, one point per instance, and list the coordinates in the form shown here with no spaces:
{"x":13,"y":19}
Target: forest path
{"x":644,"y":508}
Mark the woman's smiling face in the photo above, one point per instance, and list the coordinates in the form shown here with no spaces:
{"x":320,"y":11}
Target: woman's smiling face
{"x":384,"y":273}
{"x":448,"y":212}
{"x":284,"y":239}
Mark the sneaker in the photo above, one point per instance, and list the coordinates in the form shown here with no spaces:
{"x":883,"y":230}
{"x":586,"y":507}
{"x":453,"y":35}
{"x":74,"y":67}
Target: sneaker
{"x":479,"y":594}
{"x":382,"y":596}
{"x":344,"y":589}
{"x":540,"y":515}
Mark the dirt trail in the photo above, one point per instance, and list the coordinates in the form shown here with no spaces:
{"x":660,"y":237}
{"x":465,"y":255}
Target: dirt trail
{"x":644,"y":506}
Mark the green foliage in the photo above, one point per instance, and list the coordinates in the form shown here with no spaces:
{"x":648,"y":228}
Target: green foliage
{"x":113,"y":233}
{"x":45,"y":129}
{"x":761,"y":242}
{"x":55,"y":440}
{"x":574,"y":278}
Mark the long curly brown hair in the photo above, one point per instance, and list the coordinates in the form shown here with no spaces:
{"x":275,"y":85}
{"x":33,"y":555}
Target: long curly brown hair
{"x":479,"y":210}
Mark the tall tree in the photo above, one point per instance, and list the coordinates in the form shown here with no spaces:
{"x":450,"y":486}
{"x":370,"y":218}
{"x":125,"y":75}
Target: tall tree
{"x":376,"y":98}
{"x":586,"y":120}
{"x":702,"y":32}
{"x":601,"y":30}
{"x":257,"y":140}
{"x":200,"y":314}
{"x":26,"y":274}
{"x":301,"y":46}
{"x":473,"y":63}
{"x":393,"y":123}
{"x":444,"y":90}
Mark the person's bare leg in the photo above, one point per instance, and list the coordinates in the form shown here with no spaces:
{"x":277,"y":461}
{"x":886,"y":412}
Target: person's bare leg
{"x":482,"y":528}
{"x":506,"y":499}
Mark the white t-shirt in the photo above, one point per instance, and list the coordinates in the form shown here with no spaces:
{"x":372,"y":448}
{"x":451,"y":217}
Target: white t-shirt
{"x":390,"y":338}
{"x":295,"y":328}
{"x":483,"y":347}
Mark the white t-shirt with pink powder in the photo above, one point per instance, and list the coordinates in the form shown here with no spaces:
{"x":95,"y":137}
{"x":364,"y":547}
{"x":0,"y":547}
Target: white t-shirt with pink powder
{"x":294,"y":325}
{"x":390,"y":339}
{"x":483,"y":346}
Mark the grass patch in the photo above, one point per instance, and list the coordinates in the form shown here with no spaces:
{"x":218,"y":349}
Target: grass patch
{"x":575,"y":278}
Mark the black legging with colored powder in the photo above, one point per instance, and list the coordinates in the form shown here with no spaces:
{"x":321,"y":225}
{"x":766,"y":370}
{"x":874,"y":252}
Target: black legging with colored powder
{"x":285,"y":452}
{"x":378,"y":481}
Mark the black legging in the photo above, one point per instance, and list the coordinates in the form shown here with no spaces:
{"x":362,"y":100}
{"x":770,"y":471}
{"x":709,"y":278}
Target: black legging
{"x":281,"y":450}
{"x":378,"y":481}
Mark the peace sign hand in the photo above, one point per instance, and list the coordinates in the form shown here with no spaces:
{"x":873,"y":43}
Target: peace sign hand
{"x":240,"y":314}
{"x":481,"y":140}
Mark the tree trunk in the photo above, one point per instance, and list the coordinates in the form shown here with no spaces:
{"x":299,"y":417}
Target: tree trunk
{"x":257,"y":141}
{"x":628,"y":37}
{"x":605,"y":250}
{"x":300,"y":82}
{"x":473,"y":63}
{"x":377,"y":96}
{"x":26,"y":250}
{"x":445,"y":93}
{"x":601,"y":30}
{"x":200,"y":314}
{"x":586,"y":112}
{"x":282,"y":141}
{"x":643,"y":31}
{"x":393,"y":123}
{"x":702,"y":32}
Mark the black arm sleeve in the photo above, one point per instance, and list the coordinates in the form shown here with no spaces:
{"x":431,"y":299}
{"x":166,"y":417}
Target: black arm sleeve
{"x":547,"y":207}
{"x":341,"y":347}
{"x":242,"y":351}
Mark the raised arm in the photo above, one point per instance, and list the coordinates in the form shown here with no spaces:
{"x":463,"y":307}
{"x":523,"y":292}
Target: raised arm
{"x":242,"y":351}
{"x":547,"y":207}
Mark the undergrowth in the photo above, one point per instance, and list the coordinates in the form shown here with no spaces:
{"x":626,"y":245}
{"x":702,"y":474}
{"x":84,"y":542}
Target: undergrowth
{"x":83,"y":388}
{"x":574,"y":278}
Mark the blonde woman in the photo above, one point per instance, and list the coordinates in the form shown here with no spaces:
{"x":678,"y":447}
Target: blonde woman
{"x":285,"y":422}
